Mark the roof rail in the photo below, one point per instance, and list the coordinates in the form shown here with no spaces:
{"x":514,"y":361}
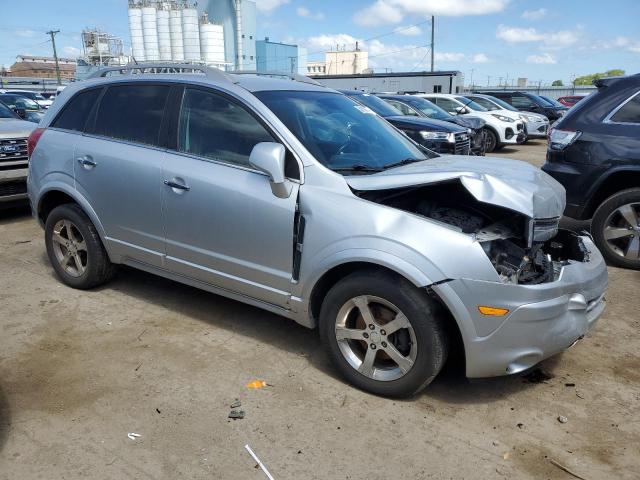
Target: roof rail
{"x":296,"y":77}
{"x":209,"y":72}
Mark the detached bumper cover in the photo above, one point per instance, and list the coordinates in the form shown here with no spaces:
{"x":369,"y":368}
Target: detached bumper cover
{"x":544,"y":319}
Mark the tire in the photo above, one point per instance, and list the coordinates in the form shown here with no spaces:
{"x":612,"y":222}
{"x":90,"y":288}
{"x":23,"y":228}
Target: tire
{"x":79,"y":258}
{"x":608,"y":222}
{"x":492,"y":141}
{"x":424,"y":342}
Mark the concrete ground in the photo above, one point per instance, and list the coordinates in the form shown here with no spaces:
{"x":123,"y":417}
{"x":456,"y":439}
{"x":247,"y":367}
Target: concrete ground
{"x":80,"y":370}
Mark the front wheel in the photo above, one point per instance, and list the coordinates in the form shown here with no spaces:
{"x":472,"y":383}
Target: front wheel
{"x":491,"y":141}
{"x":616,"y":228}
{"x":383,"y":334}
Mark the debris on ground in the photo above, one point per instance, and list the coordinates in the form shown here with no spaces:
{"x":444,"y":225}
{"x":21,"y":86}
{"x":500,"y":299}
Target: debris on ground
{"x":521,"y":425}
{"x":158,"y":410}
{"x":569,"y":384}
{"x":236,"y":414}
{"x":565,"y":469}
{"x":562,"y":419}
{"x":260,"y":464}
{"x":133,"y":436}
{"x":257,"y":384}
{"x":537,"y":376}
{"x":236,"y":404}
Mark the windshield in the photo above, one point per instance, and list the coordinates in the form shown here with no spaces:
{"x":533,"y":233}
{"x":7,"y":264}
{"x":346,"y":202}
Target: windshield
{"x":430,"y":109}
{"x":6,"y":112}
{"x":486,"y":103}
{"x":341,"y":134}
{"x":471,"y":104}
{"x":376,"y":104}
{"x":551,"y":101}
{"x":15,"y":101}
{"x":504,"y":104}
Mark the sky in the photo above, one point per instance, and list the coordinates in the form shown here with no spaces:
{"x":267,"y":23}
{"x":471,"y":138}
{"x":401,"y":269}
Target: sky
{"x":490,"y":41}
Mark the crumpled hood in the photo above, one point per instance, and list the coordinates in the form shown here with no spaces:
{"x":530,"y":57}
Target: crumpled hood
{"x":511,"y":184}
{"x":14,"y":128}
{"x":470,"y":122}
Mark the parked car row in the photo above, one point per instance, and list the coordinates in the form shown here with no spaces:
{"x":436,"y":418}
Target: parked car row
{"x":294,"y":198}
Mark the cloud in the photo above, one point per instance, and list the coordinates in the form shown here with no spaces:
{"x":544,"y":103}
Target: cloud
{"x":410,"y":31}
{"x":560,"y":39}
{"x":480,"y":58}
{"x":71,"y":51}
{"x":25,"y":33}
{"x":384,"y":12}
{"x":534,"y":14}
{"x":380,"y":13}
{"x":267,"y":6}
{"x":449,"y":56}
{"x":545,"y":58}
{"x":306,"y":13}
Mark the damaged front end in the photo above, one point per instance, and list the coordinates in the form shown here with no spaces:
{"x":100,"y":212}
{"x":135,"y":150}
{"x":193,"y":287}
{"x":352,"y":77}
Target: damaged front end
{"x":523,"y":250}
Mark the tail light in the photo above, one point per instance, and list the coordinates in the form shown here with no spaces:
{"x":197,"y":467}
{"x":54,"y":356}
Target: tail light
{"x":561,"y":139}
{"x":32,"y":141}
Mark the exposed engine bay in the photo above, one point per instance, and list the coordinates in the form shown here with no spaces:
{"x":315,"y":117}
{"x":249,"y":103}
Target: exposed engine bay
{"x":522,"y":250}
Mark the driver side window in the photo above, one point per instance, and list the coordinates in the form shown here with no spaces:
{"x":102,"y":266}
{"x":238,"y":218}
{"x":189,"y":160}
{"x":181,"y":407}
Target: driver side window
{"x":211,"y":126}
{"x":405,"y":109}
{"x":449,"y":105}
{"x":521,"y":102}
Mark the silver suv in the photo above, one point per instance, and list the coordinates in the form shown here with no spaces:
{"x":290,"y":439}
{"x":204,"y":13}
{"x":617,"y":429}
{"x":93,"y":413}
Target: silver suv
{"x":289,"y":196}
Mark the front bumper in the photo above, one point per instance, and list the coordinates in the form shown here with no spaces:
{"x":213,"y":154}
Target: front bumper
{"x":544,"y":319}
{"x":537,"y":129}
{"x":513,"y":134}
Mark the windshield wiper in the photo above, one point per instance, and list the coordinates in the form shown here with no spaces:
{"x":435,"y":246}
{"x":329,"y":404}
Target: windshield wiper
{"x":406,"y":161}
{"x":356,"y":168}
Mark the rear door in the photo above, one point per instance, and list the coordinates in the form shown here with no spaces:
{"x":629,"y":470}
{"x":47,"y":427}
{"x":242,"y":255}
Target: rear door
{"x":118,"y":168}
{"x":223,"y":224}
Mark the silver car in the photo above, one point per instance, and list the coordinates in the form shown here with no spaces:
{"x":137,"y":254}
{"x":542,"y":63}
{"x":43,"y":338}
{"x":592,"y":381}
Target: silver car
{"x":14,"y":159}
{"x":289,"y":196}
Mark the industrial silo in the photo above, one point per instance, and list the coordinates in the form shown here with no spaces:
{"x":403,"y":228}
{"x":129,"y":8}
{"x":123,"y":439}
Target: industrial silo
{"x":150,"y":33}
{"x":190,"y":34}
{"x":135,"y":30}
{"x":175,"y":28}
{"x":211,"y":42}
{"x":164,"y":33}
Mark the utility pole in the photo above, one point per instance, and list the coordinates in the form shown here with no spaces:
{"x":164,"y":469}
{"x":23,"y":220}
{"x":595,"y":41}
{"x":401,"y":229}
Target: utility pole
{"x":55,"y":53}
{"x":433,"y":30}
{"x":472,"y":78}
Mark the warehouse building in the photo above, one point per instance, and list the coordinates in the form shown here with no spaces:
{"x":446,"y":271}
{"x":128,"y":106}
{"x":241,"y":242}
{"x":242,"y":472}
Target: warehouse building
{"x":42,"y":67}
{"x":279,"y":57}
{"x":399,"y":82}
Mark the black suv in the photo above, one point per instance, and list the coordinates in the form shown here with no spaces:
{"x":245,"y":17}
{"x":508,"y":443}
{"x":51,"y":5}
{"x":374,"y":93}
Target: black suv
{"x":441,"y":137}
{"x":528,"y":102}
{"x":594,"y":151}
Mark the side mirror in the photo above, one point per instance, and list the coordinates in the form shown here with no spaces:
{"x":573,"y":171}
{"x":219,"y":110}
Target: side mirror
{"x":460,"y":110}
{"x":269,"y":158}
{"x":22,"y":113}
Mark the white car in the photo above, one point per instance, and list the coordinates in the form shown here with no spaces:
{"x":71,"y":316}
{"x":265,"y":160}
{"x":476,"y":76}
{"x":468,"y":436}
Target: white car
{"x":504,"y":128}
{"x":35,"y":96}
{"x":535,"y":125}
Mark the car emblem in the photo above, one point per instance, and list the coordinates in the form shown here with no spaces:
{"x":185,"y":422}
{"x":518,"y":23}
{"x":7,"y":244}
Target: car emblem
{"x":8,"y":148}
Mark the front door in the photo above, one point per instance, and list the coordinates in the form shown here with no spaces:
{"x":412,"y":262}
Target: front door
{"x":223,"y":224}
{"x":118,"y":168}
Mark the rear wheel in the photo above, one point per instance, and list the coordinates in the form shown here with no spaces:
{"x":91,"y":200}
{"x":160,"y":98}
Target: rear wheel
{"x":616,"y":228}
{"x":491,"y":141}
{"x":383,"y":334}
{"x":75,"y":249}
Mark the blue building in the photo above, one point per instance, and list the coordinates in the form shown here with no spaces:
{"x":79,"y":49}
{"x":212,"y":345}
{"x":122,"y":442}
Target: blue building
{"x":276,"y":57}
{"x":238,"y":17}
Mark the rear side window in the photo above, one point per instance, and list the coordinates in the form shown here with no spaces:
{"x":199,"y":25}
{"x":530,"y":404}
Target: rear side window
{"x":630,"y":111}
{"x":132,"y":113}
{"x":213,"y":127}
{"x":74,"y":115}
{"x":522,"y":102}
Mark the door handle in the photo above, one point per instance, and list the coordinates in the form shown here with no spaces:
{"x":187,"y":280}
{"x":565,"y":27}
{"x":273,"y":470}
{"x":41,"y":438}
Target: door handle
{"x":179,"y":186}
{"x":86,"y":161}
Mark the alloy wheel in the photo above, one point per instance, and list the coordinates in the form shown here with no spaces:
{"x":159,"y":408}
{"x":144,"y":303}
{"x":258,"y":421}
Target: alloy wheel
{"x":622,"y":231}
{"x":69,"y":248}
{"x":376,"y":338}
